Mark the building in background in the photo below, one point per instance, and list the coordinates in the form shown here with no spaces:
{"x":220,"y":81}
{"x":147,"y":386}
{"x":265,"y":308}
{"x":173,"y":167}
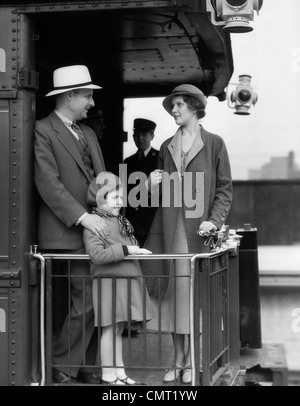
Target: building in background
{"x":277,"y":168}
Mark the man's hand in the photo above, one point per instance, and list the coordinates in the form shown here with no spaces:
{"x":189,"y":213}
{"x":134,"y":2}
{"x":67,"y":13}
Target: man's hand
{"x":95,"y":224}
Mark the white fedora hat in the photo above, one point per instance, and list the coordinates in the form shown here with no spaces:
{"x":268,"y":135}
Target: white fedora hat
{"x":70,"y":78}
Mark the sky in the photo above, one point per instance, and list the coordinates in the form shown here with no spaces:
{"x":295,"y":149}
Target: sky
{"x":271,"y":55}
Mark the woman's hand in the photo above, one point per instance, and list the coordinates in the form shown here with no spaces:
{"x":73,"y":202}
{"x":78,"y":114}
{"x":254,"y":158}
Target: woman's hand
{"x":135,"y":250}
{"x":155,"y":177}
{"x":206,"y":227}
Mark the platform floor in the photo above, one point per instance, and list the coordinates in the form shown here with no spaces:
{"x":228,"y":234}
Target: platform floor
{"x":277,"y":306}
{"x":279,"y":269}
{"x":157,"y":358}
{"x":270,"y":357}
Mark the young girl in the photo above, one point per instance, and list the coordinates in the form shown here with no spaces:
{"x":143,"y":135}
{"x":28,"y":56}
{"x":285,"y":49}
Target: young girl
{"x":114,"y":301}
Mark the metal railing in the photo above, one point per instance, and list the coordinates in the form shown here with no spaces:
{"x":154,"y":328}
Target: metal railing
{"x":210,"y":335}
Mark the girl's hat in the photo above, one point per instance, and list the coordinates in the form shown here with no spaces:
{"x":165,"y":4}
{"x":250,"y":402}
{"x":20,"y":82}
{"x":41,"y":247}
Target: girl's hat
{"x":70,"y":78}
{"x":104,"y":183}
{"x":184,"y":90}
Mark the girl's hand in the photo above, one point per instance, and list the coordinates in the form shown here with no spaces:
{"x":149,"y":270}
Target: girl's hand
{"x":143,"y":251}
{"x":135,"y":250}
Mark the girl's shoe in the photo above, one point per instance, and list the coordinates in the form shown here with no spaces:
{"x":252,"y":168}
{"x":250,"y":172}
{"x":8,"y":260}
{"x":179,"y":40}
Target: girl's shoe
{"x":173,"y":374}
{"x":115,"y":382}
{"x":128,"y":381}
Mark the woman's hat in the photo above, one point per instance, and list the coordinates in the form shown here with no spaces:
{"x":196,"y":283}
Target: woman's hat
{"x":70,"y":78}
{"x":104,"y":183}
{"x":184,"y":90}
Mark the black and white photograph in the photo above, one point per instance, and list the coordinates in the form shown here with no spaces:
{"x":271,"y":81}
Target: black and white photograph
{"x":150,"y":188}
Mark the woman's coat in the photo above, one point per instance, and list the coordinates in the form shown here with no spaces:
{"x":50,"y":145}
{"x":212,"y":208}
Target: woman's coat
{"x":207,"y":182}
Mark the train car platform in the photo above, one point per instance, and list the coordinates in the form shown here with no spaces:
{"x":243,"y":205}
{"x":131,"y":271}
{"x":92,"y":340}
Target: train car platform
{"x":152,"y":375}
{"x":266,"y":365}
{"x":279,"y":264}
{"x":279,"y":277}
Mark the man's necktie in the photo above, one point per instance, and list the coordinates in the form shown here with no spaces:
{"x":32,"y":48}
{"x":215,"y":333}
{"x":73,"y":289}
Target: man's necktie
{"x":141,"y":156}
{"x":77,"y":129}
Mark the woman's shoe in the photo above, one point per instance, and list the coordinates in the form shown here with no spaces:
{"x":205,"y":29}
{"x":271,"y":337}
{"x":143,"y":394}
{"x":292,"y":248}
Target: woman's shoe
{"x":187,"y":374}
{"x":115,"y":382}
{"x":173,"y":374}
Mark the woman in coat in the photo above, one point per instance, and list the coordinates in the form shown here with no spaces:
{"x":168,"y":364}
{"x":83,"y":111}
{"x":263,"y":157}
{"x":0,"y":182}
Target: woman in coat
{"x":198,"y":198}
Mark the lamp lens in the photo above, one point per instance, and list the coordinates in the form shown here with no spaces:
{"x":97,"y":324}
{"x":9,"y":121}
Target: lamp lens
{"x":244,"y":95}
{"x":236,"y":3}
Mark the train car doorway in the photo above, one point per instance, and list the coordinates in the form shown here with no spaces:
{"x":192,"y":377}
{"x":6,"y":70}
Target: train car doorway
{"x":63,"y":39}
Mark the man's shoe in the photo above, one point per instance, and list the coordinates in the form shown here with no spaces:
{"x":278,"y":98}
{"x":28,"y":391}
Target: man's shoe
{"x":89,"y":377}
{"x":61,"y":377}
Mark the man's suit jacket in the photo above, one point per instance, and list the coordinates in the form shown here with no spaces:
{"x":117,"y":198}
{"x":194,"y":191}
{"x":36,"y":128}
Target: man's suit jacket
{"x":141,"y":217}
{"x":62,"y":181}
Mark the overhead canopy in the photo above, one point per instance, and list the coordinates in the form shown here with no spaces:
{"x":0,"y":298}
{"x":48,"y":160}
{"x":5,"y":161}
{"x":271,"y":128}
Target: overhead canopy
{"x":144,"y":48}
{"x":165,"y":50}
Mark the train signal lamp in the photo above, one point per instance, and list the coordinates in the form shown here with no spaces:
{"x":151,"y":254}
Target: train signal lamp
{"x":233,"y":15}
{"x":243,"y":97}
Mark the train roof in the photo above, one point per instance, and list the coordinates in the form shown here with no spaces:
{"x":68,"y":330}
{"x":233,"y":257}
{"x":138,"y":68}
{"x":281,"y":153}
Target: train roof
{"x":146,"y":47}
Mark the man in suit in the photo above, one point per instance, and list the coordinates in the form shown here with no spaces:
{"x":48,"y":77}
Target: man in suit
{"x":144,"y":160}
{"x":67,"y":158}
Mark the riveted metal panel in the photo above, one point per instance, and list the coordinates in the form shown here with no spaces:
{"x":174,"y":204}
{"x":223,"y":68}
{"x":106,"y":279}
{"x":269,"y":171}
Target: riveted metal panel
{"x":8,"y":52}
{"x":3,"y":337}
{"x":50,"y":6}
{"x":17,"y":203}
{"x":21,"y":209}
{"x":21,"y":125}
{"x":15,"y":163}
{"x":4,"y":157}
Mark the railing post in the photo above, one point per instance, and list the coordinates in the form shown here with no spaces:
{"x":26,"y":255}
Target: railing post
{"x":195,"y":321}
{"x":49,"y":322}
{"x":234,"y":308}
{"x":35,"y":255}
{"x":206,"y":315}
